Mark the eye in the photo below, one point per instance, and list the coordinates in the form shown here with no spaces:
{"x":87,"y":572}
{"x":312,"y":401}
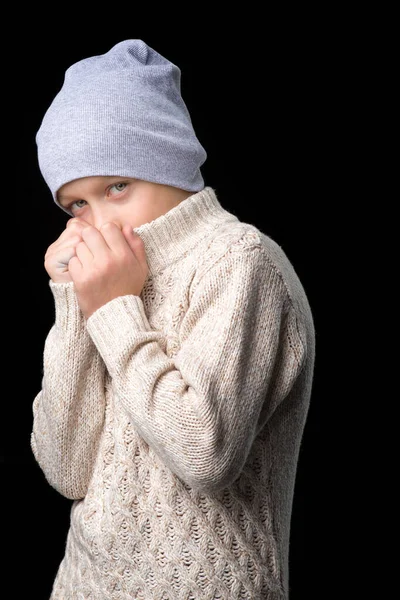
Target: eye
{"x":75,"y":203}
{"x":120,"y":186}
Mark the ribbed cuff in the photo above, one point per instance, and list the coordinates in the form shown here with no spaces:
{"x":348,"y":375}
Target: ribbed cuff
{"x":68,"y":314}
{"x":117,"y":321}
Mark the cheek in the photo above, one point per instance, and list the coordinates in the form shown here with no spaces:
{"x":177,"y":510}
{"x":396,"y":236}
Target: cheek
{"x":141,"y":214}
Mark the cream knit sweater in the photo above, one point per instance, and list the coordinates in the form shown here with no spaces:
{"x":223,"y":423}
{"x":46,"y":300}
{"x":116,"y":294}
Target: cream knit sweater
{"x":174,"y":419}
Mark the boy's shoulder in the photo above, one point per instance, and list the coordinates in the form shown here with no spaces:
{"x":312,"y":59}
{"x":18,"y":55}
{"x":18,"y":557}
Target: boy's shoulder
{"x":236,"y":236}
{"x":233,"y":236}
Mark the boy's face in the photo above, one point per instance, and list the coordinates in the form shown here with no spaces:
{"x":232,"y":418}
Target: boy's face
{"x":123,"y":200}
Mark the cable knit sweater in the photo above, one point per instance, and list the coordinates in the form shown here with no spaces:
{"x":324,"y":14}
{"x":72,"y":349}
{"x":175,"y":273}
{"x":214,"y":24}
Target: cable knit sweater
{"x":173,"y":419}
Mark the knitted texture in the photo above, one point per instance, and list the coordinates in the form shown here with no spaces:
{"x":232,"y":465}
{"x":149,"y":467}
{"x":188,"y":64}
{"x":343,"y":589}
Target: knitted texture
{"x":121,"y":113}
{"x":174,"y":419}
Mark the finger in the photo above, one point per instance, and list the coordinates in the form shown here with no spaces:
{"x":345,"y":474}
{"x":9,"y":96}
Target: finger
{"x":95,"y":242}
{"x":135,"y":242}
{"x":83,"y":253}
{"x":64,"y":258}
{"x":76,"y":221}
{"x":114,"y":237}
{"x":64,"y":242}
{"x":75,"y":228}
{"x":75,"y":267}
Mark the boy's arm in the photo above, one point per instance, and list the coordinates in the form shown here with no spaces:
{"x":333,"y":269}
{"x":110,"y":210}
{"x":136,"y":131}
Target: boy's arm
{"x":201,"y":409}
{"x":68,"y":412}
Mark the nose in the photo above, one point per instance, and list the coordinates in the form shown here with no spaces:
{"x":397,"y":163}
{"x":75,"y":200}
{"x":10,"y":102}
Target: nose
{"x":104,"y":215}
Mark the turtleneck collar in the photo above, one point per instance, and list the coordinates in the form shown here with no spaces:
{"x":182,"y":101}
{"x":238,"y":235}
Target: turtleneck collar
{"x":173,"y":234}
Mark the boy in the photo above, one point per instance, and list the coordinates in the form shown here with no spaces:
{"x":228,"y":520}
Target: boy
{"x":177,"y":375}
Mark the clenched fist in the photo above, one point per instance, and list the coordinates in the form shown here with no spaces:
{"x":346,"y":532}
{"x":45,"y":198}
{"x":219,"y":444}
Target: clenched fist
{"x":59,"y":253}
{"x":103,"y":263}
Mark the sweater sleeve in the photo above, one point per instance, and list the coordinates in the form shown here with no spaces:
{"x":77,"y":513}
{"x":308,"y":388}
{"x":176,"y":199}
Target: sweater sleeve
{"x":68,"y":412}
{"x":200,"y":410}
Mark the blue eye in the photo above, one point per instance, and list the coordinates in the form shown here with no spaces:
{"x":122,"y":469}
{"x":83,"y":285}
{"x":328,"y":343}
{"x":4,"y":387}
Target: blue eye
{"x":76,"y":202}
{"x":117,"y":186}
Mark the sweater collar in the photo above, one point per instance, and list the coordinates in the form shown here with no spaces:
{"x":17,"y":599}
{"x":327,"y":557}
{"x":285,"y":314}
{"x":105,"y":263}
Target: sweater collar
{"x":175,"y":233}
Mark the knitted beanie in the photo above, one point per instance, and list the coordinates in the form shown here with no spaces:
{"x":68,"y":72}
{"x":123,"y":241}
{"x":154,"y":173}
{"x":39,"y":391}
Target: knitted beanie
{"x":120,"y":113}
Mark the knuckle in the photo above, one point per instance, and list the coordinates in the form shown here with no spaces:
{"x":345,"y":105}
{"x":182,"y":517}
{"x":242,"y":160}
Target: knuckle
{"x":75,"y":222}
{"x":72,"y":241}
{"x":108,"y":225}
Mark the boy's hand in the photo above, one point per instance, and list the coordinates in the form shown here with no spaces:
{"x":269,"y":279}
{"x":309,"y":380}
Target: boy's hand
{"x":107,"y":263}
{"x":60,"y":252}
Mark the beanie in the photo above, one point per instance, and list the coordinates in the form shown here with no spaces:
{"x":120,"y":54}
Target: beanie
{"x":120,"y":113}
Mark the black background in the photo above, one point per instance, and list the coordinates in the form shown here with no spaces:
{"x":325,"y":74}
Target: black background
{"x":271,"y":107}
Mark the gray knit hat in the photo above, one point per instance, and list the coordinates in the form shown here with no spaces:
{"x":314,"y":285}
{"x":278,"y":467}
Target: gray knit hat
{"x":121,"y":113}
